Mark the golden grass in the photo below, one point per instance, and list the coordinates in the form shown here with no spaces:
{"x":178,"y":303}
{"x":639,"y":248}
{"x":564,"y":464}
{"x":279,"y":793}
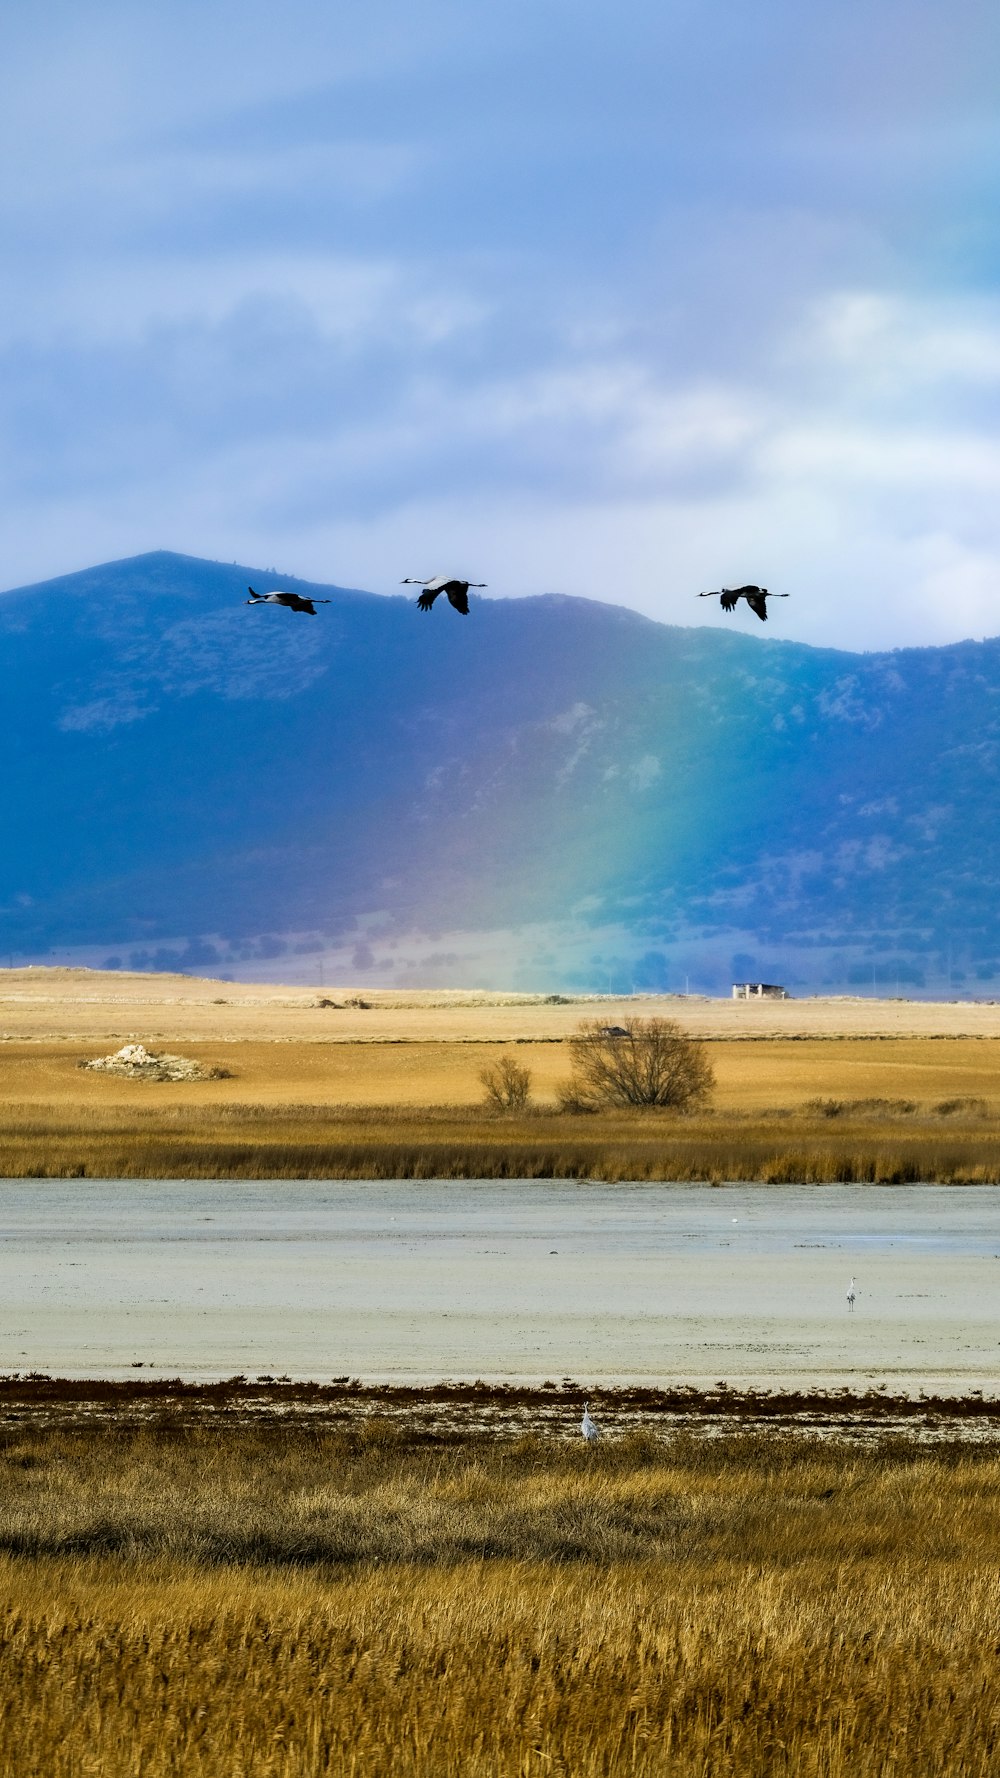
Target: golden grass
{"x":48,"y":1003}
{"x":866,"y":1141}
{"x":315,"y":1110}
{"x":751,"y":1075}
{"x":293,"y":1600}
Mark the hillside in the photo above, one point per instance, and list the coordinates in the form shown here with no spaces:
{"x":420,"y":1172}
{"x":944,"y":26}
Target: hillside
{"x":552,"y":793}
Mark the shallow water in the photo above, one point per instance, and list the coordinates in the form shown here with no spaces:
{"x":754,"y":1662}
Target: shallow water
{"x":502,"y":1279}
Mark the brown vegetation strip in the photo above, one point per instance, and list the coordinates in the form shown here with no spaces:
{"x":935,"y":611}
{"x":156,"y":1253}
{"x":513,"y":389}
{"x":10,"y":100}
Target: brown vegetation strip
{"x":289,"y":1598}
{"x":454,"y":1407}
{"x":876,"y":1142}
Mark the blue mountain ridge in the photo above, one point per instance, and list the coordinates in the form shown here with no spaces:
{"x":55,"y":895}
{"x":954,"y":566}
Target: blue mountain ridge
{"x":557,"y":791}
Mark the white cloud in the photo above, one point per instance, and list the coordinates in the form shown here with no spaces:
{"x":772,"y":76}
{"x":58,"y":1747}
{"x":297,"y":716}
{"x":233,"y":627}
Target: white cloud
{"x":896,"y":346}
{"x":365,"y":294}
{"x":917,"y":459}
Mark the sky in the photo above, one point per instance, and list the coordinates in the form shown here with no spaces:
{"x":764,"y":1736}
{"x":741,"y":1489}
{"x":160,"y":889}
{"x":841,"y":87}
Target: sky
{"x":627,"y":300}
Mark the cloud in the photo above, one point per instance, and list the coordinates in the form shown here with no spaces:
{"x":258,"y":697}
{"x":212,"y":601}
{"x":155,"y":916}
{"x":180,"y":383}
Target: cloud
{"x":624,"y":313}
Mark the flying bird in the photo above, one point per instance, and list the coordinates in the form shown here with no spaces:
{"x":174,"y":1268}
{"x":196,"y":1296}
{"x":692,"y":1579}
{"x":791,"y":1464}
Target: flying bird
{"x":755,"y":596}
{"x":589,"y":1427}
{"x":294,"y":601}
{"x":457,"y":591}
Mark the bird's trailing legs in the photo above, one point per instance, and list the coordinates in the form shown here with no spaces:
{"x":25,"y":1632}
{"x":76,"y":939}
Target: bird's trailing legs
{"x":755,"y":596}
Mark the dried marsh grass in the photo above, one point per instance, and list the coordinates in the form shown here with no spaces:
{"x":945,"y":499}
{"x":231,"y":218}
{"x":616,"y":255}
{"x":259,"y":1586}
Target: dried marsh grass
{"x":863,"y":1141}
{"x":297,"y":1601}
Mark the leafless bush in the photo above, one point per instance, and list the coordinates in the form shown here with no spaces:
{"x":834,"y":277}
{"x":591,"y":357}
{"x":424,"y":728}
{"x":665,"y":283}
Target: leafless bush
{"x":948,"y":1107}
{"x":507,"y":1084}
{"x":866,"y":1108}
{"x":641,"y":1062}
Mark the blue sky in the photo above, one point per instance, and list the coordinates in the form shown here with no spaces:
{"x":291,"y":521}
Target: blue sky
{"x":623,"y":300}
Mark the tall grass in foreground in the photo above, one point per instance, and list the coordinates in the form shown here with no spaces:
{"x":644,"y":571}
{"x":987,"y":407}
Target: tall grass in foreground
{"x":509,"y":1670}
{"x":866,"y":1143}
{"x":290,"y":1600}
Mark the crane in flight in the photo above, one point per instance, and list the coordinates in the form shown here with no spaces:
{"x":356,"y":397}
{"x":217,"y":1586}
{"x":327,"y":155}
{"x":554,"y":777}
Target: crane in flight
{"x":589,"y":1427}
{"x":457,"y":591}
{"x":294,"y":601}
{"x":755,"y":596}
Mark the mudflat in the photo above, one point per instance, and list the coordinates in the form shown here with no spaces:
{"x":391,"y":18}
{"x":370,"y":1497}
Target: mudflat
{"x":507,"y":1280}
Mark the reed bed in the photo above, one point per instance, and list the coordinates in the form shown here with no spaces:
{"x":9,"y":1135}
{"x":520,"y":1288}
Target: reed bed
{"x":294,"y":1599}
{"x":877,"y":1141}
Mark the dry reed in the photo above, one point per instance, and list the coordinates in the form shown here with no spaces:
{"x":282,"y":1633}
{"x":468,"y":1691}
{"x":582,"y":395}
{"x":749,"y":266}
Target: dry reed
{"x":293,"y":1600}
{"x":872,"y":1141}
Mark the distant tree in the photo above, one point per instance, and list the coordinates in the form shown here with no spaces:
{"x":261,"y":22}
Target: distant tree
{"x":640,"y":1062}
{"x":507,"y":1084}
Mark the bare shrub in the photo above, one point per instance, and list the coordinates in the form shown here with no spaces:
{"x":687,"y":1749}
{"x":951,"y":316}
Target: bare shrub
{"x":507,"y":1084}
{"x":948,"y":1107}
{"x":641,"y":1062}
{"x":867,"y":1108}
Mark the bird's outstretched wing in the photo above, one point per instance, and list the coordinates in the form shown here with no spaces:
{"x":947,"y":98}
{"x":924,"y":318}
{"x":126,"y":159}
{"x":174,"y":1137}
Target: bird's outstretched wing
{"x":728,"y":599}
{"x":458,"y":595}
{"x":758,"y":602}
{"x":427,"y":598}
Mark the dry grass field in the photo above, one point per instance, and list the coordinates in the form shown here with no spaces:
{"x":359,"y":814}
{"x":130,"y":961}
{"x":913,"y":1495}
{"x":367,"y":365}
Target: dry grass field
{"x":863,"y":1144}
{"x":892,"y":1109}
{"x":261,"y":1579}
{"x":38,"y":1003}
{"x":298,"y":1596}
{"x":820,"y":1090}
{"x":751,"y":1075}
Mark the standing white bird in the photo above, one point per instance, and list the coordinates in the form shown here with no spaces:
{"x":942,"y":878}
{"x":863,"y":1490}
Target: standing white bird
{"x":851,"y":1294}
{"x":457,"y":591}
{"x":589,"y":1427}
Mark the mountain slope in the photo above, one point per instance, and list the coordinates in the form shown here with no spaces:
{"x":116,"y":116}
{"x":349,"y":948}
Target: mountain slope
{"x":551,"y":790}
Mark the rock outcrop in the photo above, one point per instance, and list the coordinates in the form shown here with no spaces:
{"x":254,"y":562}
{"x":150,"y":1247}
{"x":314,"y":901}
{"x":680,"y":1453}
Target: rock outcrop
{"x":136,"y":1062}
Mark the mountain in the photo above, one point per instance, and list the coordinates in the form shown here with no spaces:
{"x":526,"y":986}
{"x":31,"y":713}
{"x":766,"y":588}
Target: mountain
{"x":549,"y":793}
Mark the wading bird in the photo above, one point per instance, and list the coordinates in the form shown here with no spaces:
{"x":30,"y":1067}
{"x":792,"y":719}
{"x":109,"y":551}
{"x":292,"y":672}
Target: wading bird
{"x":755,"y":596}
{"x":851,"y":1294}
{"x":294,"y":601}
{"x":457,"y":591}
{"x":589,"y":1427}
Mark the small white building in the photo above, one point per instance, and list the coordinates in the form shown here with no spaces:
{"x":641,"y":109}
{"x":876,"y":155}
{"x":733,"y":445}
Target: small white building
{"x":759,"y":991}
